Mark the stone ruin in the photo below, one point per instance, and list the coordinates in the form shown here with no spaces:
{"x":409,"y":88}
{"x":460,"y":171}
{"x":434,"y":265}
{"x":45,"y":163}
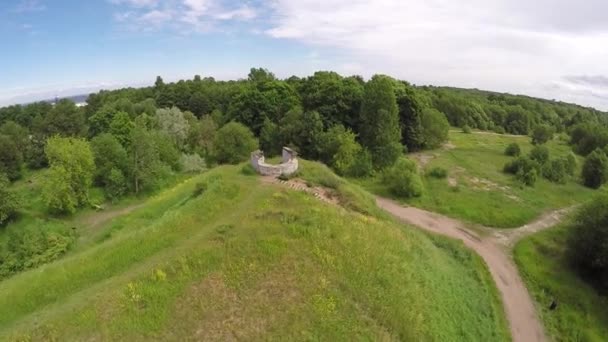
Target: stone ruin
{"x":289,"y":163}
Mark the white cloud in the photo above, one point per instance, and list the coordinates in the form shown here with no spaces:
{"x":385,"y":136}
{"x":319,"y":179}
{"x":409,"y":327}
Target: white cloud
{"x":506,"y":45}
{"x":182,"y":16}
{"x":29,"y":6}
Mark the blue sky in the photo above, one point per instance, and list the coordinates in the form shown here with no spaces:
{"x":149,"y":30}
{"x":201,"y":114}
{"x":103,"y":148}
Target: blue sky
{"x":59,"y":47}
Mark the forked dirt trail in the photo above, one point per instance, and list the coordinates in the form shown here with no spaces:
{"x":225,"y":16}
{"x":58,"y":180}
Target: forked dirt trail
{"x":524,"y":323}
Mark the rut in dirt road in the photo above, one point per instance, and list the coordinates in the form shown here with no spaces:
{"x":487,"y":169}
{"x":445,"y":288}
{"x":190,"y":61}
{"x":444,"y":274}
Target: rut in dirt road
{"x":524,"y":323}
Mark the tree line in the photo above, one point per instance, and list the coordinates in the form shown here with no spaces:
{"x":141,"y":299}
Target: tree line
{"x":129,"y":140}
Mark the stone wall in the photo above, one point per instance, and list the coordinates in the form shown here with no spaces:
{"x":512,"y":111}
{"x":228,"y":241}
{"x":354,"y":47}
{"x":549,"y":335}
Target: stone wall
{"x":288,"y":166}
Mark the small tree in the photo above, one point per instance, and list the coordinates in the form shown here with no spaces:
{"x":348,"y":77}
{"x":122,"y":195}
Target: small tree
{"x":11,"y":158}
{"x":513,"y":150}
{"x":435,"y":128}
{"x":9,"y":201}
{"x":588,"y":242}
{"x":234,"y":143}
{"x":595,"y":169}
{"x":402,"y":179}
{"x":540,"y":154}
{"x":556,"y":170}
{"x":541,"y":134}
{"x":70,"y":175}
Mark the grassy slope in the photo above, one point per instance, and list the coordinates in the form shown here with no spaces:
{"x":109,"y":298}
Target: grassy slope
{"x":250,"y":261}
{"x":581,"y":315}
{"x":482,"y":156}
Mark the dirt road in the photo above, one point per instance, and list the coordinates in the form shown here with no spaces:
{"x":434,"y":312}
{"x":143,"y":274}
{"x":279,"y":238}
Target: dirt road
{"x":524,"y":323}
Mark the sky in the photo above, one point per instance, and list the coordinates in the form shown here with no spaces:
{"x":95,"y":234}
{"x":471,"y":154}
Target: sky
{"x":554,"y":49}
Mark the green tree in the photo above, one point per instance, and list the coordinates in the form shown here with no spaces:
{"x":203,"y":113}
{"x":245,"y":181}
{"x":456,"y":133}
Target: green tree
{"x":380,"y":132}
{"x":541,"y":134}
{"x":513,"y":150}
{"x":109,"y":155}
{"x":9,"y":200}
{"x":435,"y":128}
{"x":402,"y":179}
{"x":70,"y":176}
{"x":540,"y":154}
{"x":121,"y":128}
{"x":303,"y":130}
{"x":588,"y":240}
{"x":11,"y":158}
{"x":410,"y":117}
{"x":234,"y":143}
{"x":173,"y":123}
{"x":270,"y":138}
{"x":595,"y":169}
{"x":146,"y":169}
{"x":65,"y":119}
{"x":116,"y":185}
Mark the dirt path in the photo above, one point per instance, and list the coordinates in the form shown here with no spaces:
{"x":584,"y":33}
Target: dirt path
{"x":96,"y":219}
{"x":519,"y":307}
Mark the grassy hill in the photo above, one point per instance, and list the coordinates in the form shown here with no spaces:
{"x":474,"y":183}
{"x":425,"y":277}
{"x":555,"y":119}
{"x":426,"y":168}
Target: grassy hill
{"x":253,"y":261}
{"x":476,"y":189}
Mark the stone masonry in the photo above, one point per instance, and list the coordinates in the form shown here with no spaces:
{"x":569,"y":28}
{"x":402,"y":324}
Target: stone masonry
{"x":289,"y":163}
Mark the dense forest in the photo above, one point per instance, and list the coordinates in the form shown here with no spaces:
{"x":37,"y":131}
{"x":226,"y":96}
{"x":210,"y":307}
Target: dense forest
{"x":131,"y":137}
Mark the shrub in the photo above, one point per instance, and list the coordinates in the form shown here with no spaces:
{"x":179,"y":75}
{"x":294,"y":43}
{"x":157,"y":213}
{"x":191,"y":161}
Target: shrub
{"x":527,"y":177}
{"x":200,"y":188}
{"x":435,"y":128}
{"x":556,"y":170}
{"x":116,"y":185}
{"x":513,"y":150}
{"x":540,"y":154}
{"x":466,"y":129}
{"x":248,"y":170}
{"x":525,"y":170}
{"x":192,"y":163}
{"x":9,"y":201}
{"x":32,"y":246}
{"x":438,"y":172}
{"x":588,"y":241}
{"x":362,"y":165}
{"x":402,"y":179}
{"x":499,"y":129}
{"x":571,"y":163}
{"x":595,"y":169}
{"x":233,"y":143}
{"x":541,"y":134}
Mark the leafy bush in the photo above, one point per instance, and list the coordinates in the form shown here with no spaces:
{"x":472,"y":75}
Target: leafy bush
{"x":32,"y":246}
{"x":556,"y":170}
{"x":192,"y":163}
{"x":525,"y":170}
{"x":248,"y":170}
{"x":466,"y":129}
{"x":438,"y":172}
{"x":362,"y":165}
{"x":402,"y":179}
{"x":233,"y":143}
{"x":435,"y":128}
{"x":67,"y":184}
{"x":499,"y":129}
{"x":541,"y":134}
{"x":540,"y":154}
{"x":200,"y":188}
{"x":527,"y":177}
{"x":116,"y":185}
{"x":513,"y":150}
{"x":9,"y":201}
{"x":588,"y":242}
{"x":571,"y":163}
{"x":595,"y":169}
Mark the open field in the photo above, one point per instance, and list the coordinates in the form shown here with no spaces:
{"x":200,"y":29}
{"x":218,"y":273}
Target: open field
{"x":476,"y":190}
{"x":246,"y":260}
{"x":581,"y":314}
